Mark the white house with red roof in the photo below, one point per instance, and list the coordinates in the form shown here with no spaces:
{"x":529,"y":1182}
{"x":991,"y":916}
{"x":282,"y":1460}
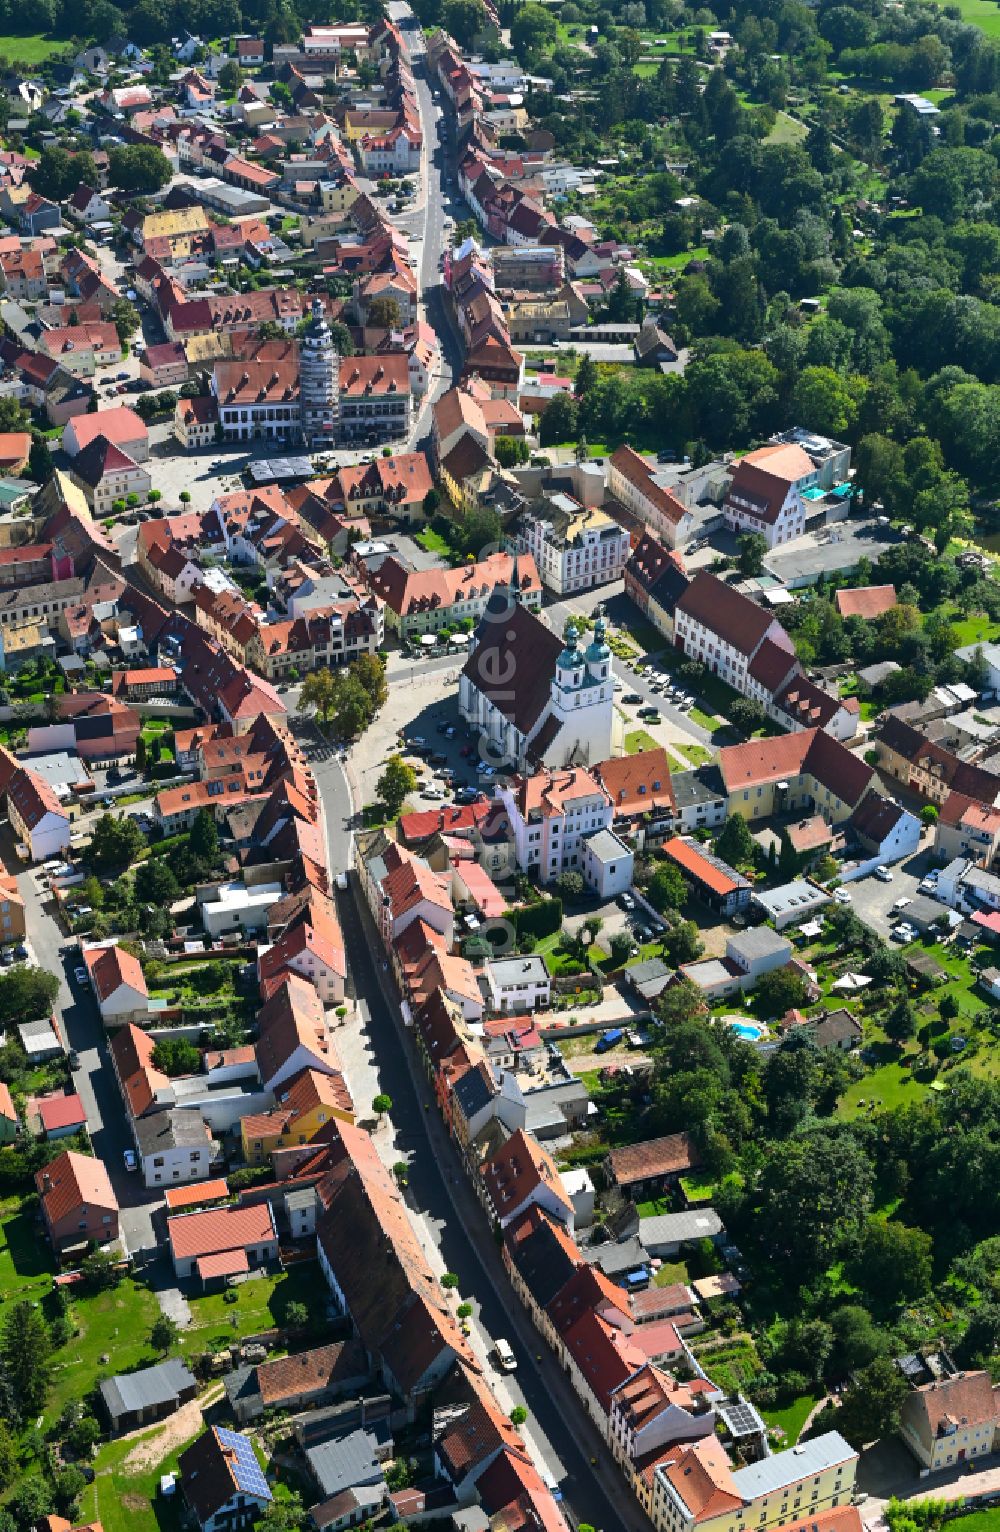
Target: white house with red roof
{"x":766,"y":493}
{"x":314,"y":950}
{"x":644,"y":490}
{"x":120,"y":425}
{"x":118,"y":983}
{"x":36,"y":816}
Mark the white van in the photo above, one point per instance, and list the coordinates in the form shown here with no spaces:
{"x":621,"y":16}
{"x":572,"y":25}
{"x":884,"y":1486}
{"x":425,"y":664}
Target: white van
{"x":506,"y":1359}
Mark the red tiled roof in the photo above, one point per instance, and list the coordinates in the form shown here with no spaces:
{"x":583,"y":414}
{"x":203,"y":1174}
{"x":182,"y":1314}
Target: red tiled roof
{"x":72,"y":1181}
{"x":673,"y":1155}
{"x":868,"y":601}
{"x":61,"y":1112}
{"x":694,"y":862}
{"x":216,"y":1230}
{"x":228,"y":1263}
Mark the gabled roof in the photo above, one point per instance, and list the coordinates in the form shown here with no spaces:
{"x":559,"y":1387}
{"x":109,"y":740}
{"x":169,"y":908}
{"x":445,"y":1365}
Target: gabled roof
{"x":292,"y":1017}
{"x":673,"y":1155}
{"x":216,"y":1230}
{"x":132,"y":1052}
{"x":111,"y":967}
{"x":724,"y":611}
{"x":638,"y":783}
{"x":74,"y":1181}
{"x":866,"y":601}
{"x":514,"y":642}
{"x":516,"y":1170}
{"x":809,"y":751}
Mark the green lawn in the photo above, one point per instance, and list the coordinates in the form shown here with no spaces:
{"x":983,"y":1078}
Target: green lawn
{"x":638,"y":739}
{"x":260,"y":1304}
{"x":671,"y":1272}
{"x":976,"y":629}
{"x":698,"y":755}
{"x":705,"y":720}
{"x":786,"y":130}
{"x":433,"y":542}
{"x":674,"y":262}
{"x":34,"y":48}
{"x":129,"y":1500}
{"x":25,"y":1265}
{"x":890,"y":1085}
{"x":115,"y":1324}
{"x":981,"y":13}
{"x":790,"y":1418}
{"x":982,"y":1521}
{"x":699,"y":1187}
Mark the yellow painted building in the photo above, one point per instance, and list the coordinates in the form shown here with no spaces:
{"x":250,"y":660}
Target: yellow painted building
{"x":310,"y":1101}
{"x":698,"y":1490}
{"x":176,"y":223}
{"x":338,"y":195}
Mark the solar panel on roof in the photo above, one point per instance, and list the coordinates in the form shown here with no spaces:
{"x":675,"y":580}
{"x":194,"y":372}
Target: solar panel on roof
{"x":247,"y":1472}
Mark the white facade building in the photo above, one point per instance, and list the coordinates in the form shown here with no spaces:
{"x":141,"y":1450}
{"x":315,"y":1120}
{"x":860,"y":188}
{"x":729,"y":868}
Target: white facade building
{"x":574,"y":547}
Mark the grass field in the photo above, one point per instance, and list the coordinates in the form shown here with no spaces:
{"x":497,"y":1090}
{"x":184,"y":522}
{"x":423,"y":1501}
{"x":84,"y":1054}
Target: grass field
{"x":790,"y":1418}
{"x":890,"y":1086}
{"x":976,"y":629}
{"x":433,"y":542}
{"x":115,"y":1324}
{"x":25,"y":1267}
{"x":34,"y":48}
{"x":128,"y":1500}
{"x":698,"y":755}
{"x":982,"y":1521}
{"x":638,"y":739}
{"x":983,"y":14}
{"x":786,"y":130}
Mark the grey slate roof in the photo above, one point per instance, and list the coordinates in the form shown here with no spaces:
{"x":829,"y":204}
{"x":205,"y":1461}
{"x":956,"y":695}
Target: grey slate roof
{"x":679,"y":1228}
{"x":158,"y":1385}
{"x":345,"y":1462}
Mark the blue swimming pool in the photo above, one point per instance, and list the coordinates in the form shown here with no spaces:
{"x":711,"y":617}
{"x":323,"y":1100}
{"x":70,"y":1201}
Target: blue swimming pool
{"x":749,"y":1031}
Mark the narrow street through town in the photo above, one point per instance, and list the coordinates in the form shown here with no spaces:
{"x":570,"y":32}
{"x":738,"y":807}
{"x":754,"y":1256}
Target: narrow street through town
{"x":575,"y":1457}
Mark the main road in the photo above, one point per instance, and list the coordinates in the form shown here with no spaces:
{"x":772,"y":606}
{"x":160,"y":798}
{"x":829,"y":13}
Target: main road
{"x":574,"y":1457}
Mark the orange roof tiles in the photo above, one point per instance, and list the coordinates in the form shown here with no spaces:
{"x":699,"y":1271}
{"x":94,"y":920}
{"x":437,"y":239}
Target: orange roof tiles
{"x":868,"y":601}
{"x":216,"y":1230}
{"x":71,"y":1181}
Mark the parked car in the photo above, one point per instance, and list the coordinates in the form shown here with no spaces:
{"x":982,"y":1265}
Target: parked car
{"x":432,"y":792}
{"x":841,"y":896}
{"x":74,"y":1059}
{"x":131,"y":1159}
{"x":632,"y":697}
{"x":904,"y":932}
{"x":506,"y":1360}
{"x":626,"y":902}
{"x":884,"y":874}
{"x":81,"y":976}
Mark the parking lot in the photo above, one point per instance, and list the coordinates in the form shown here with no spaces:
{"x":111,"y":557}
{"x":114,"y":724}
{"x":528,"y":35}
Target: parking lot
{"x":872,"y":900}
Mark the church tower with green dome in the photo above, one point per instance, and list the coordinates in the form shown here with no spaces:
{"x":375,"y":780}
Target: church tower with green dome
{"x":582,"y":698}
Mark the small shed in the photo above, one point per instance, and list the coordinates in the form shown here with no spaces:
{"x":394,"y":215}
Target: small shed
{"x":136,"y":1398}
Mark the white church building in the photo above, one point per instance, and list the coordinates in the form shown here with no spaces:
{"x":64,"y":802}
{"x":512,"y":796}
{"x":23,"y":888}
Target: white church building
{"x":539,"y":700}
